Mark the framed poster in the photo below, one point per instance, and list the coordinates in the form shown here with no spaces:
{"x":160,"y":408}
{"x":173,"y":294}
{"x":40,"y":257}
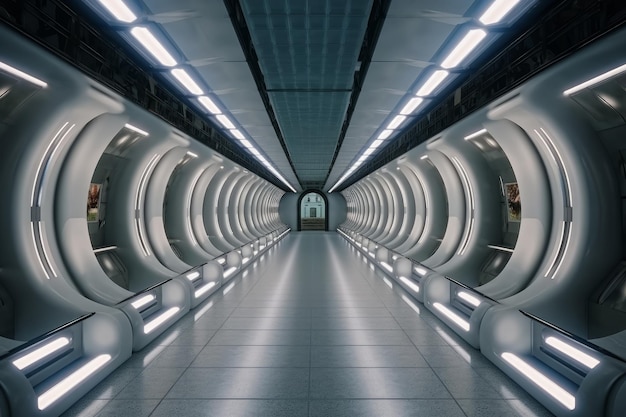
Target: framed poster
{"x":93,"y":202}
{"x":513,"y":202}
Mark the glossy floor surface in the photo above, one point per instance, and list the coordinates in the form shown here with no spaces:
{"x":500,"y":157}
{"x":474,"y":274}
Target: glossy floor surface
{"x":309,"y":330}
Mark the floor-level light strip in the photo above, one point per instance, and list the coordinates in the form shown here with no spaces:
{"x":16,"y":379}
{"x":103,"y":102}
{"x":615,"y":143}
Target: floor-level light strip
{"x":146,"y":299}
{"x":41,"y":352}
{"x":162,"y":318}
{"x":410,"y":284}
{"x":229,"y":271}
{"x":411,"y":304}
{"x":221,"y":261}
{"x":463,"y":324}
{"x":71,"y":381}
{"x":469,"y":298}
{"x":574,"y":353}
{"x":420,"y":271}
{"x":386,"y":266}
{"x":193,"y":275}
{"x":542,"y":381}
{"x":202,"y":290}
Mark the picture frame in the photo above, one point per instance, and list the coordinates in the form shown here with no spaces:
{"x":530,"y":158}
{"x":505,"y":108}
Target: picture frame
{"x":513,"y":202}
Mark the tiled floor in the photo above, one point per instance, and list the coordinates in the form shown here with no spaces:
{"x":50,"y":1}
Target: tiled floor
{"x":310,"y":330}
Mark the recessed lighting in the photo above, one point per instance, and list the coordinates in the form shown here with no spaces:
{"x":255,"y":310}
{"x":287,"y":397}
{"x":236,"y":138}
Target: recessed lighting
{"x":152,"y":45}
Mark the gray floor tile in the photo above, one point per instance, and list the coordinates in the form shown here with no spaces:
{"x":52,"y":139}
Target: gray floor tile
{"x":443,"y":357}
{"x":176,"y":356}
{"x":465,"y":383}
{"x":193,"y":337}
{"x":486,"y":408}
{"x":359,"y":337}
{"x":261,"y":337}
{"x":253,"y":356}
{"x":153,"y":383}
{"x":258,"y":383}
{"x":234,"y":408}
{"x":529,"y":408}
{"x":351,"y":312}
{"x":128,"y":408}
{"x":338,"y":383}
{"x":366,"y":356}
{"x":267,"y":323}
{"x":425,"y":337}
{"x":385,"y":408}
{"x":271,"y":312}
{"x":354,"y":323}
{"x":85,"y":407}
{"x":114,"y":383}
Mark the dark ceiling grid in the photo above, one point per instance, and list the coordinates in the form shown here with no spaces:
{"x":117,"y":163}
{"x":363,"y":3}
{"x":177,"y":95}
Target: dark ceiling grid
{"x":308,"y":53}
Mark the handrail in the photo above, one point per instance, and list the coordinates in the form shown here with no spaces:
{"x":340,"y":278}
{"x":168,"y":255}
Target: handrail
{"x":45,"y":335}
{"x":150,"y":288}
{"x":467,"y":287}
{"x":573,"y":336}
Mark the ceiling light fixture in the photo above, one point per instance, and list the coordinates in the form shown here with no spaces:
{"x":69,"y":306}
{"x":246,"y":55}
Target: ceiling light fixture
{"x":225,"y":121}
{"x":152,"y":45}
{"x":397,"y":121}
{"x":464,"y":48}
{"x":433,"y":82}
{"x":237,"y":134}
{"x":411,"y":105}
{"x":185,"y":79}
{"x":385,"y":134}
{"x":208,"y":104}
{"x":119,"y":10}
{"x":496,"y":12}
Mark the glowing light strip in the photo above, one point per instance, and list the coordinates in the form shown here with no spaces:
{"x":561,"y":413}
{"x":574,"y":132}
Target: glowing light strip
{"x":389,"y":284}
{"x":542,"y":381}
{"x":221,"y":261}
{"x":146,"y":299}
{"x":193,"y":275}
{"x":159,"y":320}
{"x":192,"y":235}
{"x":574,"y":353}
{"x":185,"y":79}
{"x":386,"y":266}
{"x":138,"y":199}
{"x":420,"y":271}
{"x":595,"y":80}
{"x":227,"y":289}
{"x":558,"y":251}
{"x":433,"y":82}
{"x":475,"y":134}
{"x":410,"y":284}
{"x":22,"y":75}
{"x":496,"y":12}
{"x":229,"y":271}
{"x":41,"y":352}
{"x":136,"y":129}
{"x":202,"y":290}
{"x":469,"y":42}
{"x":152,"y":45}
{"x":470,"y":193}
{"x":49,"y":397}
{"x":463,"y":324}
{"x":208,"y":104}
{"x":119,"y":10}
{"x":469,"y":298}
{"x":193,"y":155}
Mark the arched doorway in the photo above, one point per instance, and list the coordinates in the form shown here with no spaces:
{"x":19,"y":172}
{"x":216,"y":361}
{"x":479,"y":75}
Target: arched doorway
{"x":312,"y":211}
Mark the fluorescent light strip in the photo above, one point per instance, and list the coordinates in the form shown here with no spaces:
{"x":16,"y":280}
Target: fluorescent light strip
{"x":22,"y":75}
{"x":595,"y":80}
{"x":433,"y":82}
{"x":476,"y":134}
{"x":193,"y":155}
{"x":413,"y":286}
{"x":238,"y":135}
{"x":245,"y":260}
{"x":423,"y":157}
{"x":146,"y":299}
{"x":119,"y":10}
{"x":411,"y":105}
{"x":193,"y":275}
{"x":225,"y":121}
{"x":229,"y":271}
{"x":64,"y":386}
{"x":463,"y":324}
{"x":542,"y":381}
{"x":41,"y":352}
{"x":185,"y":79}
{"x":152,"y":45}
{"x":469,"y":42}
{"x":420,"y":271}
{"x":202,"y":290}
{"x":574,"y":353}
{"x":385,"y":134}
{"x":496,"y":12}
{"x":396,"y":121}
{"x":208,"y":104}
{"x":386,"y":266}
{"x":469,"y":298}
{"x":159,"y":320}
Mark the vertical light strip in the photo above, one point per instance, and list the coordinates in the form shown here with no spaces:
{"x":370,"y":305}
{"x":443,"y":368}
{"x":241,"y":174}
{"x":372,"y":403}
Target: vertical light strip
{"x":470,"y":195}
{"x":138,"y":202}
{"x":194,"y":241}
